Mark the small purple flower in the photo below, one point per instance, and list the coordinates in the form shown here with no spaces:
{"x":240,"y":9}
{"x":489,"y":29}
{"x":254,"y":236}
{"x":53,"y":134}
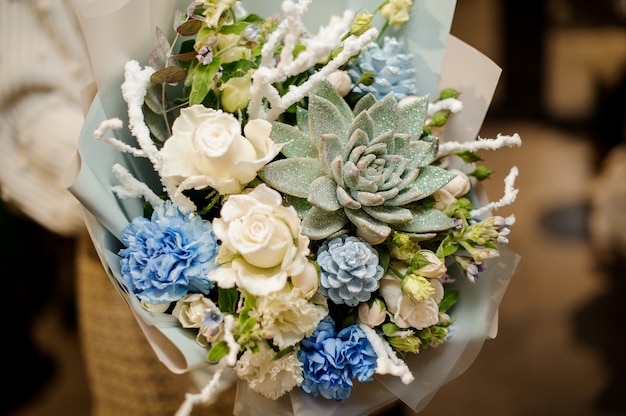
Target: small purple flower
{"x":331,"y":361}
{"x":205,"y":55}
{"x":349,"y":270}
{"x":168,"y":255}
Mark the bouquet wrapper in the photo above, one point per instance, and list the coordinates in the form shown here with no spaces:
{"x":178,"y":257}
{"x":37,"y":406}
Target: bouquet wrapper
{"x":119,"y":30}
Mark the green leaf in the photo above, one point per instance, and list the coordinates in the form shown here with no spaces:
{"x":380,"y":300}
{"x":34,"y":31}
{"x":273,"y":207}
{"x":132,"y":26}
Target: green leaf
{"x":390,"y":329}
{"x":449,"y":299}
{"x":468,"y":156}
{"x":217,"y":352}
{"x":227,"y":299}
{"x":247,"y":325}
{"x":235,"y":29}
{"x":292,"y":176}
{"x":202,"y":81}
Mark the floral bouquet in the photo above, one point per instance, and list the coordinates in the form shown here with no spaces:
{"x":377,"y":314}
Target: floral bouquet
{"x":300,"y":210}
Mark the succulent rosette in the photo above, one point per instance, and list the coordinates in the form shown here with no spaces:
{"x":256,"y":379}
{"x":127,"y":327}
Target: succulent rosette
{"x":368,"y":166}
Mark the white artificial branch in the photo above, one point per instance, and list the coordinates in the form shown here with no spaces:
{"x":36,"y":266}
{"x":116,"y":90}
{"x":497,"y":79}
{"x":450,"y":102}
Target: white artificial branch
{"x":134,"y":88}
{"x":317,"y":50}
{"x":510,"y":193}
{"x":387,"y":361}
{"x":131,"y":187}
{"x":499,"y":142}
{"x":451,"y":104}
{"x":116,"y":124}
{"x":295,"y":28}
{"x":209,"y":391}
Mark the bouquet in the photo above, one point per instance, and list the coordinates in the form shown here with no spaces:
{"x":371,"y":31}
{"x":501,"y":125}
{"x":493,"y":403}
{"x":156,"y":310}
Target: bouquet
{"x":300,"y":210}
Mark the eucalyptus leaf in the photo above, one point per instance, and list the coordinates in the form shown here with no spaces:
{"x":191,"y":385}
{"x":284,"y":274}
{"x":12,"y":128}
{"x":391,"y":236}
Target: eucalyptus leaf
{"x":190,"y":27}
{"x":170,"y":75}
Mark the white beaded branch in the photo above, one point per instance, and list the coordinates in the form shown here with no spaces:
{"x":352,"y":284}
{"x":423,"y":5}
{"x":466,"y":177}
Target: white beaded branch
{"x":501,"y":141}
{"x":317,"y":50}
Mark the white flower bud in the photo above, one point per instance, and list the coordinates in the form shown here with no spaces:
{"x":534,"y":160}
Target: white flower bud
{"x":372,"y":315}
{"x":341,"y":81}
{"x":459,"y":185}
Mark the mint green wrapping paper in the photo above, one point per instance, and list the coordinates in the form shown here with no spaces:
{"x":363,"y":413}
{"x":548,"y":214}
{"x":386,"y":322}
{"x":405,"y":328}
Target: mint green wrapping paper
{"x":119,"y":30}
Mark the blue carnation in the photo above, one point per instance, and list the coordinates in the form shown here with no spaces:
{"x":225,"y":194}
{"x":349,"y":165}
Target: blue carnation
{"x":393,"y":66}
{"x":168,"y":255}
{"x":349,"y":270}
{"x":330,"y":362}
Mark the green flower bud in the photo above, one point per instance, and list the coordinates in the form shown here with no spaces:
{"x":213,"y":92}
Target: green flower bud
{"x":367,"y":78}
{"x":405,"y":344}
{"x":417,"y":287}
{"x":236,"y":93}
{"x":362,"y":23}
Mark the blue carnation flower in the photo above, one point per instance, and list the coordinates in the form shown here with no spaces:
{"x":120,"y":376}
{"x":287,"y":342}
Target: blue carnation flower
{"x":330,"y":362}
{"x":349,"y":270}
{"x":393,"y":66}
{"x":168,"y":255}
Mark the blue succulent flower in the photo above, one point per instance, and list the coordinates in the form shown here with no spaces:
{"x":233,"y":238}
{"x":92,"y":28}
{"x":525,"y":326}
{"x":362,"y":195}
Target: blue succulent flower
{"x":393,"y":66}
{"x":168,"y":255}
{"x":330,"y":362}
{"x":349,"y":270}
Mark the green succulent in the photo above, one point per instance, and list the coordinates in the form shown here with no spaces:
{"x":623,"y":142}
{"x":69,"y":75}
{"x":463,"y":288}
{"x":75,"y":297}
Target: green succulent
{"x":368,"y":166}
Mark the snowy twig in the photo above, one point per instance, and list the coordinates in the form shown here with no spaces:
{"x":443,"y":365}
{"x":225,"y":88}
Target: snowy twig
{"x":510,"y":193}
{"x":499,"y":142}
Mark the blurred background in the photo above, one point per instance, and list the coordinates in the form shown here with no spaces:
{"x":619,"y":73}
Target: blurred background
{"x":560,"y":346}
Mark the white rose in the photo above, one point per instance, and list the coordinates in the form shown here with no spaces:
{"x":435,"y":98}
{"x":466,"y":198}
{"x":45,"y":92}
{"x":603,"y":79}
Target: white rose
{"x":266,"y":240}
{"x":407,"y":313}
{"x":208,"y":149}
{"x":190,"y":310}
